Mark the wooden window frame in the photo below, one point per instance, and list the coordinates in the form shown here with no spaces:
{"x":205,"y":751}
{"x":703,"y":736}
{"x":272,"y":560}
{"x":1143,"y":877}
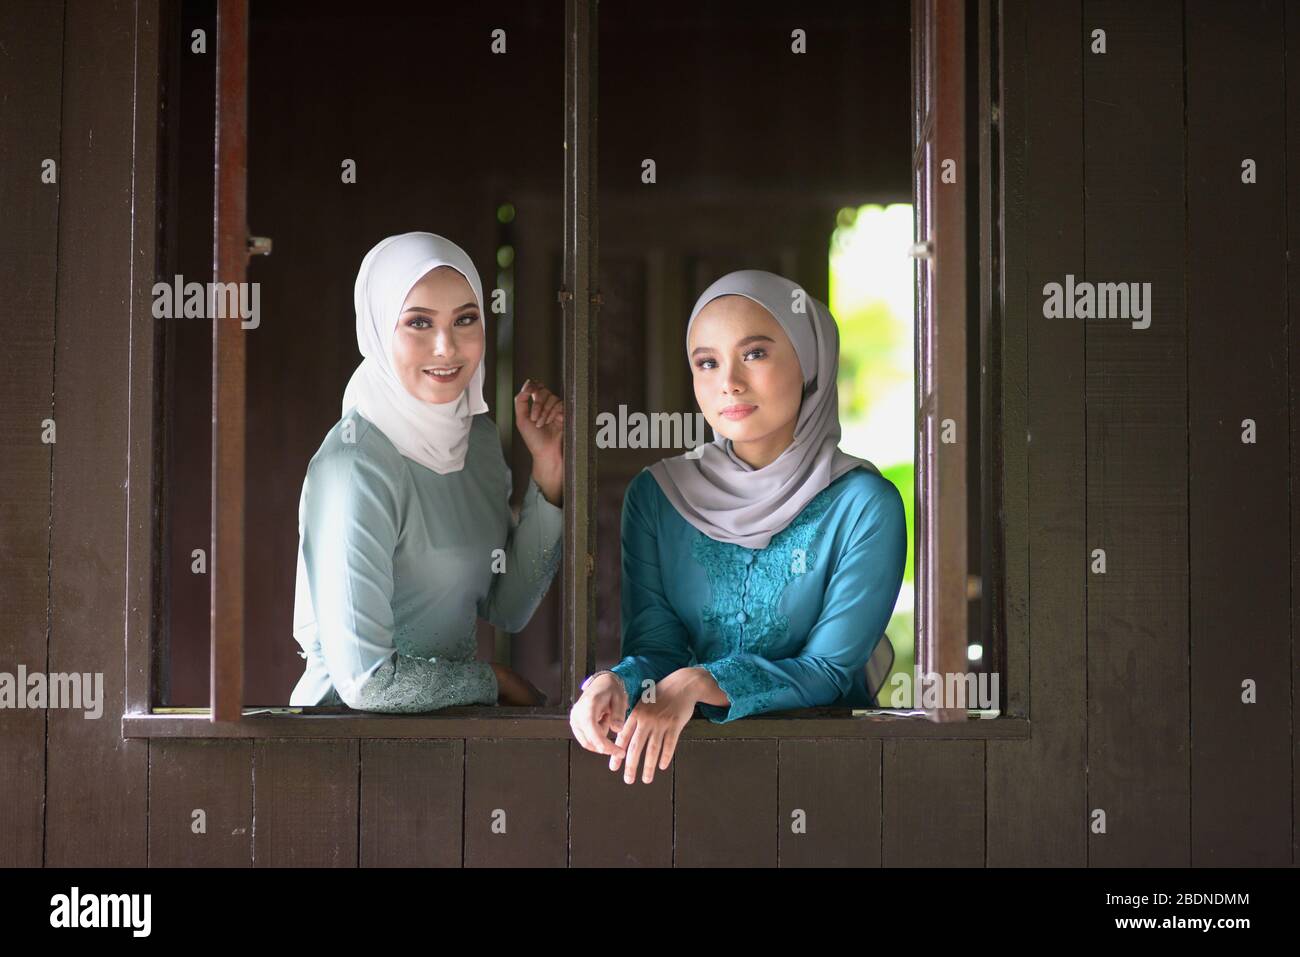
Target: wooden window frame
{"x":942,"y":302}
{"x":580,"y":298}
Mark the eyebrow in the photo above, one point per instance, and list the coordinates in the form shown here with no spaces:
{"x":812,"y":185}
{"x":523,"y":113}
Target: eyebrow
{"x":743,"y":342}
{"x":434,"y":312}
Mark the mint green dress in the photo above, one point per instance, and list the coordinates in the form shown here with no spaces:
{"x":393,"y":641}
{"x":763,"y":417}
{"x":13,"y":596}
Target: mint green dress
{"x":788,"y":626}
{"x":396,"y":563}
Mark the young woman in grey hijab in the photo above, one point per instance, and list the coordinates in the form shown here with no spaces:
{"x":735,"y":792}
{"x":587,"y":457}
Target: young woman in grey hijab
{"x":760,"y":570}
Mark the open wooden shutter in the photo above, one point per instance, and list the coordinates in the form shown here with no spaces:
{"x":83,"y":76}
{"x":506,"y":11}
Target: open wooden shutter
{"x":229,"y":265}
{"x":939,"y":171}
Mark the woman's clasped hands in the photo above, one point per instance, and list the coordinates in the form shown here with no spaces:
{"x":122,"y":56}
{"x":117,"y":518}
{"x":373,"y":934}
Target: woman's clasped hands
{"x":649,"y":733}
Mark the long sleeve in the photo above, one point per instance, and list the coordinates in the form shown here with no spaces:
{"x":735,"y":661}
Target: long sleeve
{"x":350,"y":527}
{"x":655,"y":641}
{"x":532,"y":556}
{"x":859,"y":600}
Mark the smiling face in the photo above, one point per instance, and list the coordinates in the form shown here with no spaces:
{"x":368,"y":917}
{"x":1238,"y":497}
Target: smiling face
{"x":747,"y":377}
{"x":439,"y":339}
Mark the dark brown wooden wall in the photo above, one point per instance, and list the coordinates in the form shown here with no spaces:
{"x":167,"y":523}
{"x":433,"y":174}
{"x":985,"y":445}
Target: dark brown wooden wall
{"x":1123,"y":166}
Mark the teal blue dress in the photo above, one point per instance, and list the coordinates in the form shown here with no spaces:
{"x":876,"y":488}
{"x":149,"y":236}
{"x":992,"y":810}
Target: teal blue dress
{"x":396,"y":563}
{"x":783,"y":627}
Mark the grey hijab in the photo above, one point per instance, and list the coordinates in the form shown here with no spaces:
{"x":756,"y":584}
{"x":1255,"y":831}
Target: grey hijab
{"x":717,"y":492}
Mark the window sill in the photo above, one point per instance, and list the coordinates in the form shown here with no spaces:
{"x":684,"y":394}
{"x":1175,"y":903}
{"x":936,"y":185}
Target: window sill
{"x":553,"y":723}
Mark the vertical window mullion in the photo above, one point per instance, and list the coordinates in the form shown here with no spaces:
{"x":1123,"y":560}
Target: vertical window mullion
{"x":581,"y":299}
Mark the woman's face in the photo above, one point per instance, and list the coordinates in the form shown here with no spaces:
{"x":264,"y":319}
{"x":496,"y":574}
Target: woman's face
{"x":438,"y":342}
{"x":747,"y":377}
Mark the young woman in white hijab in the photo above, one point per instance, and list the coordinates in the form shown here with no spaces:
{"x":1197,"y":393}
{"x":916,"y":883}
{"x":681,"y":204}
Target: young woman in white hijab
{"x":406,"y":536}
{"x":759,"y":571}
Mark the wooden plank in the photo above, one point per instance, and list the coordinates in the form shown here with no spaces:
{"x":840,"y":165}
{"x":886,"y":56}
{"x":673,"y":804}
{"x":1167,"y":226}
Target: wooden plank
{"x":411,"y":803}
{"x":988,"y":537}
{"x":510,"y":723}
{"x":96,"y":785}
{"x":829,"y":803}
{"x":725,"y":804}
{"x":516,"y":803}
{"x":230,"y":260}
{"x":305,"y":796}
{"x":1236,"y":370}
{"x":215,"y":777}
{"x":1012,"y":202}
{"x":613,"y":824}
{"x":1291,"y":14}
{"x":1036,"y":788}
{"x":933,"y":804}
{"x":1137,"y":646}
{"x":31,"y":72}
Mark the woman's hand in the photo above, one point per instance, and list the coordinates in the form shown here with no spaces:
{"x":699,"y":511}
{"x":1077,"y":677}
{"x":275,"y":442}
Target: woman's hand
{"x":598,"y":711}
{"x":653,"y":729}
{"x":541,"y":423}
{"x":514,"y":689}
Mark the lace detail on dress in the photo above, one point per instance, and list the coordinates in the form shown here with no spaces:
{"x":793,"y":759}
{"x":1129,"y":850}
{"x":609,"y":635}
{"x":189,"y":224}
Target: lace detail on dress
{"x":406,"y":684}
{"x":746,"y":584}
{"x":751,"y":689}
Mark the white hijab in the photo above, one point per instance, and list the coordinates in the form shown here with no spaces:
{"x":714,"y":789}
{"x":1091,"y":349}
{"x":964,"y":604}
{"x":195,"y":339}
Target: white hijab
{"x":719,"y":493}
{"x":434,"y":434}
